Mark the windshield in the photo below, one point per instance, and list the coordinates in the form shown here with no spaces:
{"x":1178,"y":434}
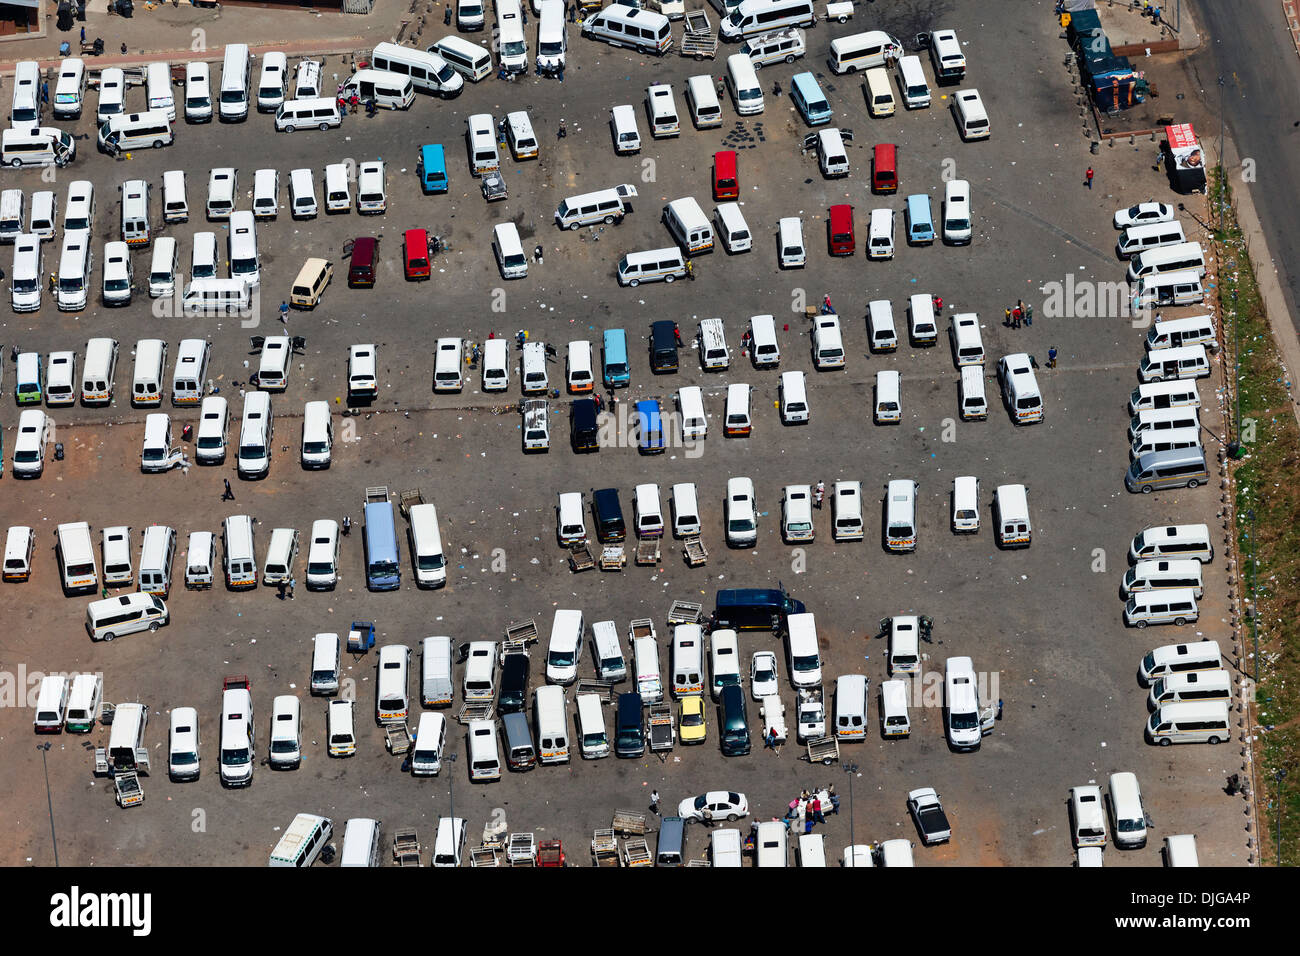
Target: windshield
{"x":967,"y":721}
{"x":116,"y":285}
{"x":431,"y":562}
{"x":198,"y":102}
{"x":27,"y":455}
{"x":71,"y":284}
{"x":210,"y":441}
{"x":251,"y":451}
{"x":183,"y":759}
{"x":807,"y":663}
{"x":550,"y":49}
{"x":514,"y":48}
{"x":383,"y":568}
{"x":283,"y":747}
{"x":25,"y":285}
{"x":232,"y":96}
{"x":234,"y":757}
{"x":319,"y":567}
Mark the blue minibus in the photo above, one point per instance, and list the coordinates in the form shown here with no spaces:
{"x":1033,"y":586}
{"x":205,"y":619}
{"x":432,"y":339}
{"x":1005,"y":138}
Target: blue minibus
{"x":383,"y":568}
{"x":614,"y":355}
{"x":432,"y":169}
{"x":809,"y":99}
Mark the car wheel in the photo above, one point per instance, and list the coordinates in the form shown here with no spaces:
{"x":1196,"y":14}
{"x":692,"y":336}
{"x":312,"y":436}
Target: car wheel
{"x":668,"y":278}
{"x":634,"y":283}
{"x":157,"y":144}
{"x":1165,"y":741}
{"x":851,"y":70}
{"x":790,"y":58}
{"x":758,"y":66}
{"x":1146,"y":489}
{"x":153,"y":626}
{"x":574,"y":225}
{"x":1213,"y":740}
{"x":1179,"y":621}
{"x":109,"y":636}
{"x":732,"y":818}
{"x":15,"y":163}
{"x":1157,"y":378}
{"x":609,"y":221}
{"x":827,"y":762}
{"x":1141,"y":625}
{"x":324,"y":126}
{"x":1193,"y":483}
{"x":288,"y":129}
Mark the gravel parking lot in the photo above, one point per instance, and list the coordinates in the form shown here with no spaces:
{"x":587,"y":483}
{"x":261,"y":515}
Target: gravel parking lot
{"x":1044,"y":622}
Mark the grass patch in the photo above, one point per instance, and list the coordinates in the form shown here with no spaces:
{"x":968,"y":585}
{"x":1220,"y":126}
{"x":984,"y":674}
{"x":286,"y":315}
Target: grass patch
{"x":1269,"y":545}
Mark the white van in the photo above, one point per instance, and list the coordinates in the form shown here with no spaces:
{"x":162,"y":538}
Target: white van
{"x":688,"y":225}
{"x":1173,"y":541}
{"x":317,"y":435}
{"x":115,"y":549}
{"x":372,"y":197}
{"x":1175,"y":606}
{"x":1208,"y":722}
{"x":911,"y":82}
{"x":880,"y":97}
{"x":965,"y":504}
{"x":320,"y":112}
{"x":34,"y":432}
{"x":1179,"y":257}
{"x":791,"y":253}
{"x":392,"y":694}
{"x":360,"y":837}
{"x":738,"y":417}
{"x":1162,"y":419}
{"x":426,"y":546}
{"x":827,"y":342}
{"x":922,"y":326}
{"x":113,"y":617}
{"x":647,"y":511}
{"x":70,"y":89}
{"x":732,"y":229}
{"x":509,"y":251}
{"x":763,"y":16}
{"x":274,"y":363}
{"x":484,"y":755}
{"x":1174,"y":333}
{"x":238,"y":744}
{"x":725,"y":848}
{"x":325,"y":664}
{"x":156,"y":452}
{"x":957,"y":225}
{"x":340,"y":728}
{"x":973,"y":405}
{"x":888,"y":405}
{"x":803,"y":657}
{"x":778,"y":46}
{"x":266,"y":194}
{"x":520,"y":136}
{"x":198,"y":93}
{"x":468,"y":59}
{"x":242,"y":249}
{"x":158,"y":88}
{"x":1167,"y":440}
{"x":496,"y":365}
{"x":552,"y":723}
{"x":51,"y":702}
{"x":588,"y":209}
{"x":862,"y":51}
{"x":20,"y":543}
{"x":571,"y":528}
{"x":302,"y":194}
{"x":112,"y":94}
{"x":60,"y":379}
{"x":323,"y":555}
{"x":591,"y":727}
{"x":12,"y":206}
{"x":280,"y":555}
{"x":238,"y":560}
{"x":846,"y":504}
{"x":792,"y":397}
{"x":622,"y":123}
{"x":894,"y":721}
{"x":653,"y":265}
{"x":742,"y":81}
{"x":1167,"y":289}
{"x":702,"y":98}
{"x":688,"y":661}
{"x":481,"y":137}
{"x":1157,"y":396}
{"x":285,"y":750}
{"x":272,"y":82}
{"x":967,"y":345}
{"x":118,"y":284}
{"x":690,"y":405}
{"x":662,"y":111}
{"x":222,"y":186}
{"x":338,"y":197}
{"x":880,"y":234}
{"x":480,"y":671}
{"x":27,"y":277}
{"x":233,"y":104}
{"x":435,"y":672}
{"x":565,"y":647}
{"x":645,"y":658}
{"x":43,"y":146}
{"x":626,"y":26}
{"x":40,"y":220}
{"x":147,"y":376}
{"x":900,"y":515}
{"x":84,"y":700}
{"x":200,"y":560}
{"x":741,"y":513}
{"x":686,"y":511}
{"x":1191,"y":687}
{"x":972,"y":120}
{"x":447,"y":364}
{"x":1020,"y":389}
{"x":1181,"y":362}
{"x":255,"y":435}
{"x":302,"y":841}
{"x":607,"y":653}
{"x":430,"y":740}
{"x":882,"y":336}
{"x":163,"y":268}
{"x":851,"y":708}
{"x":1150,"y":235}
{"x":210,"y":443}
{"x":579,"y":376}
{"x":832,"y":157}
{"x":1178,"y":659}
{"x":428,"y":71}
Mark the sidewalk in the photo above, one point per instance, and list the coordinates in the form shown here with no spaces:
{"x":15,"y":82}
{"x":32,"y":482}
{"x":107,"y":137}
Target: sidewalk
{"x":1130,"y":33}
{"x":161,"y":31}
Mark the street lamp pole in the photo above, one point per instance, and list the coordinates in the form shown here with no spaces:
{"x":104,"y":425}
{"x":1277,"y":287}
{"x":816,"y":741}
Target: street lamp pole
{"x":851,"y":769}
{"x":49,"y":800}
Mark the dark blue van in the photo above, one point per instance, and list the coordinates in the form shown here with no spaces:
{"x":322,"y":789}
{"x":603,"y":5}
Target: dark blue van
{"x":629,"y":727}
{"x":650,"y":428}
{"x":754,"y":609}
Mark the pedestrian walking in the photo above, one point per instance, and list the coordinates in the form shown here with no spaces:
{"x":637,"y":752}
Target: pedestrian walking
{"x":54,"y":283}
{"x":1029,"y":315}
{"x":45,"y":92}
{"x":1088,"y":177}
{"x":599,"y":400}
{"x":827,"y":308}
{"x":280,"y":590}
{"x":938,"y":303}
{"x":1051,"y":357}
{"x":293,"y":583}
{"x":347,"y":525}
{"x":83,"y":34}
{"x":13,"y":353}
{"x":559,"y":72}
{"x":1006,"y":322}
{"x":999,"y":708}
{"x":690,"y":269}
{"x":227,"y":495}
{"x":104,"y":593}
{"x":654,"y":802}
{"x":677,"y":334}
{"x":562,"y":132}
{"x":284,"y":313}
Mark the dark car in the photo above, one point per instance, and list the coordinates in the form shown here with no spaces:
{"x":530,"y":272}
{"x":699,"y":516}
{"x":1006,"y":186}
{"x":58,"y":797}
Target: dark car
{"x":514,"y":684}
{"x":629,"y":727}
{"x":608,"y":512}
{"x":365,"y":257}
{"x":733,"y":721}
{"x":663,"y":347}
{"x":583,"y":430}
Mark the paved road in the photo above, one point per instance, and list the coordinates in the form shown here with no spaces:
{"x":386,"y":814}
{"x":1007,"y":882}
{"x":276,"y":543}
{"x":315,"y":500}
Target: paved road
{"x":1253,"y":52}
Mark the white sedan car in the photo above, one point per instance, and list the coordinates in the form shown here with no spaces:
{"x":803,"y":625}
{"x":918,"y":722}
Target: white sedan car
{"x":713,"y":806}
{"x":1143,"y":214}
{"x":762,"y":675}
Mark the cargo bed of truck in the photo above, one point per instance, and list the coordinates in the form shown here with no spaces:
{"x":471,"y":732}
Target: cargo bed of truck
{"x":662,"y":734}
